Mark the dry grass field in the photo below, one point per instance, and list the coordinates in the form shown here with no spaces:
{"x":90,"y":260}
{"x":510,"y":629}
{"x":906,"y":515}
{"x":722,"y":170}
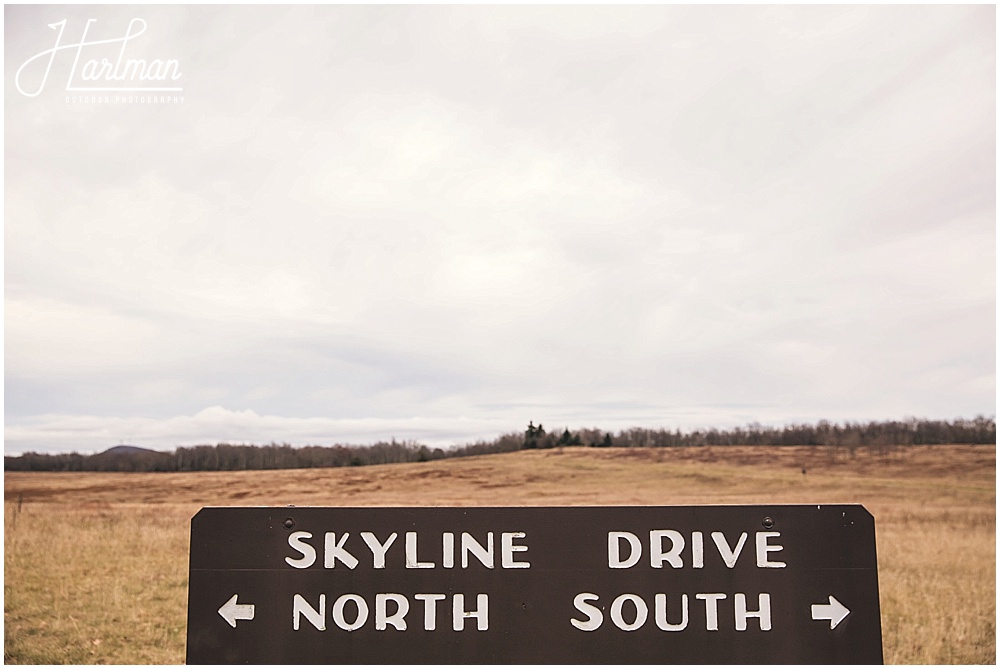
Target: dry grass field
{"x":95,"y":565}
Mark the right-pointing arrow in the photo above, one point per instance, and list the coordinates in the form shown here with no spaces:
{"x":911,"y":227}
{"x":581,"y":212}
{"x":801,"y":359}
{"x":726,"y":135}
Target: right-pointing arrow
{"x":834,"y":612}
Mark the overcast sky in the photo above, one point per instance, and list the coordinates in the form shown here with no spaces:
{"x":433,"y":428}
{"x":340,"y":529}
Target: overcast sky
{"x":438,"y":223}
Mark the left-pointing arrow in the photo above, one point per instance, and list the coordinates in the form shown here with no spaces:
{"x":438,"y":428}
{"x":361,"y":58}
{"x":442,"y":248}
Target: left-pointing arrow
{"x":232,"y":611}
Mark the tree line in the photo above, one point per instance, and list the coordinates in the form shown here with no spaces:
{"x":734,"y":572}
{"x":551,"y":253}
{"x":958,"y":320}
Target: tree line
{"x":881,"y":436}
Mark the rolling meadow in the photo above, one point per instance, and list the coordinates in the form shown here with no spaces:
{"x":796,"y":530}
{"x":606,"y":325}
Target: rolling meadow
{"x":95,"y":564}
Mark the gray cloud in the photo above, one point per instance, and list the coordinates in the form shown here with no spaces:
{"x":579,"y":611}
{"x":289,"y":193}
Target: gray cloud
{"x":454,"y":215}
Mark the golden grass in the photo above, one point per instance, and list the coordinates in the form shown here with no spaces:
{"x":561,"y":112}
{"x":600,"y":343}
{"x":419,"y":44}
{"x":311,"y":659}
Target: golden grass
{"x":88,"y":584}
{"x":96,"y":564}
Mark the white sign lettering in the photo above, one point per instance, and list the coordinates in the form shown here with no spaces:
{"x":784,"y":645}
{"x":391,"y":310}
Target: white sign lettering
{"x":667,"y":547}
{"x":351,"y":611}
{"x":336,"y":550}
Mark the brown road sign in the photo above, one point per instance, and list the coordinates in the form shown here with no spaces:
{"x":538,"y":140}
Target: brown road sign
{"x":432,"y":585}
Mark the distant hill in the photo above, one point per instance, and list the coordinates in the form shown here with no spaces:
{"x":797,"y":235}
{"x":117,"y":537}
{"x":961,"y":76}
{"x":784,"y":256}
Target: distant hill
{"x":125,"y":449}
{"x":127,"y":458}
